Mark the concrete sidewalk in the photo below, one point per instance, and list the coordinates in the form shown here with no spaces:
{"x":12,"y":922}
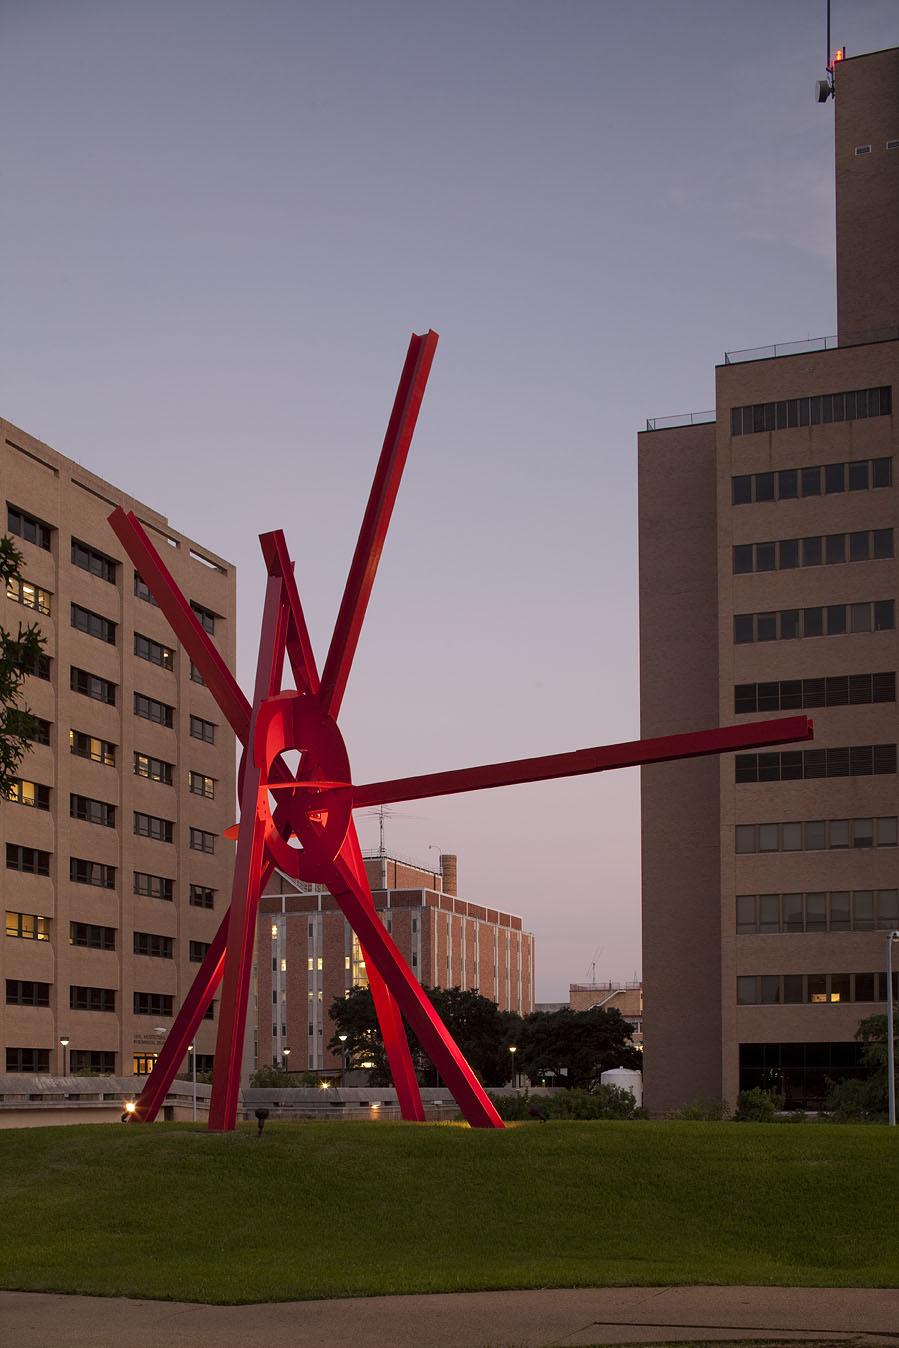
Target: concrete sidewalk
{"x":541,"y":1319}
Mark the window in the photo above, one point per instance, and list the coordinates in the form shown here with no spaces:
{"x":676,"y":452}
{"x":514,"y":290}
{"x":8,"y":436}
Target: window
{"x":201,"y":896}
{"x":813,"y":411}
{"x":94,"y":624}
{"x":28,"y":595}
{"x":157,"y":654}
{"x":142,"y":1064}
{"x":98,"y":1061}
{"x":36,"y":664}
{"x":198,"y":951}
{"x":151,"y":710}
{"x":154,"y":769}
{"x":149,"y":943}
{"x":201,"y":841}
{"x":838,"y":691}
{"x":91,"y":685}
{"x":838,"y":910}
{"x":91,"y":937}
{"x":35,"y":1061}
{"x":29,"y":793}
{"x":27,"y":926}
{"x":152,"y":1004}
{"x":91,"y":559}
{"x":143,"y":591}
{"x":205,"y":617}
{"x":29,"y":860}
{"x":22,"y":992}
{"x":861,"y":546}
{"x":154,"y":886}
{"x":91,"y":999}
{"x":202,"y":786}
{"x":86,"y":746}
{"x":202,"y":730}
{"x":210,"y":1015}
{"x":862,"y":760}
{"x":92,"y":811}
{"x":28,"y":527}
{"x":195,"y":675}
{"x":818,"y":989}
{"x":834,"y":620}
{"x":83,"y":872}
{"x":816,"y":835}
{"x":150,"y":826}
{"x":39,"y":731}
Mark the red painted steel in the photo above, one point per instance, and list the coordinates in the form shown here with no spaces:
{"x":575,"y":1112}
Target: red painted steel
{"x":633,"y":753}
{"x":315,"y":805}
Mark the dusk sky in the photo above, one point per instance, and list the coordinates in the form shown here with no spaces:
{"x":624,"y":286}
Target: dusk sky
{"x":222,"y":219}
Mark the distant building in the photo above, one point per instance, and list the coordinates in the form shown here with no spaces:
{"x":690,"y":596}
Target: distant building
{"x":768,"y":582}
{"x":307,"y":954}
{"x":624,"y":997}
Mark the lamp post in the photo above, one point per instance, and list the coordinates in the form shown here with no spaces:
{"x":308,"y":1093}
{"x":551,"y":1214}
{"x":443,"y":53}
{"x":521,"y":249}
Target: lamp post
{"x":513,"y":1049}
{"x":64,"y":1044}
{"x":285,"y":1054}
{"x":192,"y":1050}
{"x":891,"y":1055}
{"x":343,"y":1039}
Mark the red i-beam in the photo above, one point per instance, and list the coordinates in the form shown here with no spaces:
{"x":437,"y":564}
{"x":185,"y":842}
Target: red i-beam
{"x":314,"y":807}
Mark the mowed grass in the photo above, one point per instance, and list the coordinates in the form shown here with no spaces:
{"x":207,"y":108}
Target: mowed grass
{"x":347,"y":1209}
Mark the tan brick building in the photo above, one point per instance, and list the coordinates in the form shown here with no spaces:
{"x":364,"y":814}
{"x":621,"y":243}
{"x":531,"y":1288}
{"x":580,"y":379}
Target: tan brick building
{"x":768,"y":584}
{"x":114,"y":871}
{"x":624,"y":997}
{"x":307,"y":954}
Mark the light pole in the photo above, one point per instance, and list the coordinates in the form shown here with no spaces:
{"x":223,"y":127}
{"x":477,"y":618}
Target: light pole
{"x":192,"y":1050}
{"x":285,"y":1054}
{"x":891,"y":1056}
{"x":343,"y":1039}
{"x":513,"y":1049}
{"x":64,"y":1044}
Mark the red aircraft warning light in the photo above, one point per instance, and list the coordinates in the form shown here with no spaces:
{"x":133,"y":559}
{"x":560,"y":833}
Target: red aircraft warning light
{"x":315,"y":806}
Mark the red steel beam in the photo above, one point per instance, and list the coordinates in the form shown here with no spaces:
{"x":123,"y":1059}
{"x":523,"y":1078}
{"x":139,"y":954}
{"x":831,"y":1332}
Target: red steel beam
{"x":633,"y":753}
{"x":375,"y":521}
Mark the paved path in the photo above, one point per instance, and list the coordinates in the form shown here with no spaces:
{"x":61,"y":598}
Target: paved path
{"x":542,"y":1319}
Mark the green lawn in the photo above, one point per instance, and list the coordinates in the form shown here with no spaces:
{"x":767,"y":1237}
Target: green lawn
{"x":347,"y":1209}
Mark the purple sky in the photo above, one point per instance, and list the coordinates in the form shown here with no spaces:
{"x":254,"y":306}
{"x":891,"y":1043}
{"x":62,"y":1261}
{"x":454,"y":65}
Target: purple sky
{"x":220,"y":221}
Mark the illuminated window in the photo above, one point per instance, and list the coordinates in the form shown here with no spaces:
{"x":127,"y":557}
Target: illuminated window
{"x":29,"y":793}
{"x":142,"y":1064}
{"x":157,"y":654}
{"x":201,"y":785}
{"x":154,"y":769}
{"x":359,"y":971}
{"x":87,"y":746}
{"x":284,"y":966}
{"x":30,"y":596}
{"x":27,"y":926}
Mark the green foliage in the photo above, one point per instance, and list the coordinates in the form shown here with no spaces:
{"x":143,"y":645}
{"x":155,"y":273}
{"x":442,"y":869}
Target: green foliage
{"x":576,"y":1047}
{"x":270,"y":1078}
{"x":757,"y":1106}
{"x":605,"y":1102}
{"x":702,"y":1111}
{"x":16,"y":722}
{"x":866,"y":1100}
{"x":481,"y":1030}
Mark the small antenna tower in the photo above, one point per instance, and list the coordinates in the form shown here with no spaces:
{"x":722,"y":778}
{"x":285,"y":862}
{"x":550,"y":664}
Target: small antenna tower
{"x":826,"y":88}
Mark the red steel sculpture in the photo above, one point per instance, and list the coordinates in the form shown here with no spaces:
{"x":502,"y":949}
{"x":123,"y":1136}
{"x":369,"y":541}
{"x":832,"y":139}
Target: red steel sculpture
{"x":314,"y":807}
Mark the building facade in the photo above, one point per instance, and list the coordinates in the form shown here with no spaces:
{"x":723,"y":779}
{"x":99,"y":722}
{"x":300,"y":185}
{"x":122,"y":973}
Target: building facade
{"x":768,"y":584}
{"x":115,"y":873}
{"x":307,"y":955}
{"x":624,"y":997}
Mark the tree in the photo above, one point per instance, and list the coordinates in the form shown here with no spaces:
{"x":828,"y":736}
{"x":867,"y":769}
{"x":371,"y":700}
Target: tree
{"x":481,"y":1030}
{"x":867,"y":1098}
{"x":575,"y":1047}
{"x":17,"y":653}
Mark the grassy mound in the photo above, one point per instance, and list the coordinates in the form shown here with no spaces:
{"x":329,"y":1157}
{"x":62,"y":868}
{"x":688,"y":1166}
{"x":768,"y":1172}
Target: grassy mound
{"x":327,"y":1209}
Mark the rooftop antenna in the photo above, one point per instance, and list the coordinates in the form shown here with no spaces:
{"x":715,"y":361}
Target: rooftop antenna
{"x":826,"y":88}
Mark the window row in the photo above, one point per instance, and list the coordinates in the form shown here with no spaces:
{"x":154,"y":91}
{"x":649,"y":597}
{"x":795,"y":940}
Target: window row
{"x":839,"y":690}
{"x":33,"y":794}
{"x":37,"y":664}
{"x":864,"y":545}
{"x":838,"y":910}
{"x":790,"y":483}
{"x":93,"y":560}
{"x":162,"y":887}
{"x":27,"y":926}
{"x":34,"y":861}
{"x":92,"y":811}
{"x":816,"y":835}
{"x":813,"y":411}
{"x":795,"y":989}
{"x":878,"y":615}
{"x":29,"y":527}
{"x":93,"y":624}
{"x":857,"y":760}
{"x":29,"y":596}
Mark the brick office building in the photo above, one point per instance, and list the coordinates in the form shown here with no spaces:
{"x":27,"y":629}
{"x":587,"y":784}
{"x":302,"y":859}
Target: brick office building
{"x":307,"y":955}
{"x":768,"y":583}
{"x":114,"y":872}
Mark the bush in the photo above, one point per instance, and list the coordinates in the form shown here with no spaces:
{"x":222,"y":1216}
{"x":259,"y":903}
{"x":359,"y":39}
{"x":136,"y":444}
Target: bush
{"x":702,"y":1111}
{"x":271,"y":1078}
{"x":855,"y":1101}
{"x":606,"y":1102}
{"x":757,"y":1106}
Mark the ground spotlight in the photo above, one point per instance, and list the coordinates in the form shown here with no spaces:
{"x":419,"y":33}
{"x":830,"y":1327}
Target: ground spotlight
{"x":261,"y":1116}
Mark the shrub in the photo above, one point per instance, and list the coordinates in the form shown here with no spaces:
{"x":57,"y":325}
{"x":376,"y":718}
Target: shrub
{"x":855,"y":1101}
{"x":605,"y":1102}
{"x":702,"y":1111}
{"x":757,"y":1106}
{"x":271,"y":1078}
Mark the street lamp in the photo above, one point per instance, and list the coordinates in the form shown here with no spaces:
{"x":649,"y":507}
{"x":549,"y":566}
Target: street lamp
{"x":285,"y":1054}
{"x":513,"y":1049}
{"x":343,"y":1039}
{"x":64,"y":1043}
{"x":192,"y":1050}
{"x":891,"y":1056}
